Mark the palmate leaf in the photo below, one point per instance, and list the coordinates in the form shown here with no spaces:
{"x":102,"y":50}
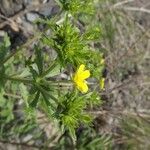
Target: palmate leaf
{"x":24,"y":93}
{"x":53,"y":69}
{"x":91,"y":140}
{"x":36,"y":65}
{"x":48,"y":98}
{"x":35,"y":100}
{"x":92,"y":33}
{"x":2,"y":74}
{"x":39,"y":58}
{"x":71,"y":113}
{"x":4,"y":47}
{"x":34,"y":72}
{"x":77,"y":6}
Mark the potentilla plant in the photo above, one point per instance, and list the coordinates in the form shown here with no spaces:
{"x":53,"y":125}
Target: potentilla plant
{"x":65,"y":100}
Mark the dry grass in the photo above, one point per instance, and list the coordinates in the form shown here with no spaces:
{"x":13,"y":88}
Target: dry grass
{"x":128,"y":60}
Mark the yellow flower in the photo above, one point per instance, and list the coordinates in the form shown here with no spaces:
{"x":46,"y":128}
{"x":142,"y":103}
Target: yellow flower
{"x":79,"y":78}
{"x":102,"y":83}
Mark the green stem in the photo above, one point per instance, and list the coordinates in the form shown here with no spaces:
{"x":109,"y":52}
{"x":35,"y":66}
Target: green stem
{"x":19,"y":79}
{"x":61,"y":83}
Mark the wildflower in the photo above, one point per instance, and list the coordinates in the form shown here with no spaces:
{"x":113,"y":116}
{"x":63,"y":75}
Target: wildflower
{"x":79,"y":78}
{"x":102,"y":83}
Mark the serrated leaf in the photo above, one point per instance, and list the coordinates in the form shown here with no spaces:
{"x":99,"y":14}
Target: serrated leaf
{"x":86,"y":118}
{"x":35,"y":100}
{"x":52,"y":70}
{"x":4,"y":47}
{"x":72,"y":133}
{"x":26,"y":72}
{"x":24,"y":93}
{"x":33,"y":72}
{"x":39,"y":59}
{"x":2,"y":74}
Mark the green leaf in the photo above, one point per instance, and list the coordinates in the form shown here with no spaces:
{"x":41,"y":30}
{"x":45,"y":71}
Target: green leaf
{"x":2,"y":75}
{"x":47,"y":96}
{"x":72,"y":133}
{"x":2,"y":99}
{"x":4,"y":48}
{"x":24,"y":93}
{"x":35,"y":100}
{"x":86,"y":118}
{"x":33,"y":72}
{"x":39,"y":58}
{"x":6,"y":41}
{"x":92,"y":33}
{"x":53,"y":69}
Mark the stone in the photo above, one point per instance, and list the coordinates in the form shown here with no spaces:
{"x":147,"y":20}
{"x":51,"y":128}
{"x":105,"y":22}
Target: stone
{"x":2,"y":33}
{"x":31,"y":17}
{"x":10,"y":7}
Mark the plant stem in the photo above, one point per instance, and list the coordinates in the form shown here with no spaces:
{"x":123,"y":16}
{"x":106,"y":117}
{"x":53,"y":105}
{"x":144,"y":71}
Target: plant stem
{"x":30,"y":81}
{"x":61,"y":83}
{"x":18,"y":79}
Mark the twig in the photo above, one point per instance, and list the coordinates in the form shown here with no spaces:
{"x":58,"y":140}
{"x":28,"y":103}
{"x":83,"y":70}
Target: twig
{"x":141,"y":9}
{"x":122,"y":3}
{"x":145,"y":114}
{"x":124,"y":84}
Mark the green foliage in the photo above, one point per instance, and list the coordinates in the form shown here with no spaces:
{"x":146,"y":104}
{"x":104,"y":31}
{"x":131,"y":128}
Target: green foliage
{"x":6,"y":107}
{"x":37,"y":80}
{"x":76,"y":6}
{"x":71,"y":111}
{"x":73,"y":47}
{"x":4,"y":47}
{"x":68,"y":43}
{"x":93,"y":99}
{"x":90,"y":140}
{"x":87,"y":139}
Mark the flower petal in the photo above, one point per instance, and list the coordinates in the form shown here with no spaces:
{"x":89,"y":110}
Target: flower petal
{"x":82,"y":86}
{"x":84,"y":75}
{"x":81,"y":69}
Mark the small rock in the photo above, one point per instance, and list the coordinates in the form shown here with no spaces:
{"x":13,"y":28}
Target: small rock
{"x":2,"y":33}
{"x":31,"y":17}
{"x":27,"y":138}
{"x":10,"y":7}
{"x":55,"y":10}
{"x":46,"y":11}
{"x":29,"y":27}
{"x":6,"y":7}
{"x":31,"y":2}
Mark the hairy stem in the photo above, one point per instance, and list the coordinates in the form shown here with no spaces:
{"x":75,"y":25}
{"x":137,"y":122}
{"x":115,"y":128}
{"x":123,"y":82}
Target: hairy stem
{"x":19,"y":79}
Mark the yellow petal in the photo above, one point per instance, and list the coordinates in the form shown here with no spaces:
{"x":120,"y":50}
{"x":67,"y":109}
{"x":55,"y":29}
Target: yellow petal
{"x":84,"y":75}
{"x":82,"y":86}
{"x":81,"y":69}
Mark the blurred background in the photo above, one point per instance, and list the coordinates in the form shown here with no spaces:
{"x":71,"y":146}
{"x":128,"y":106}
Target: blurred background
{"x":122,"y":122}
